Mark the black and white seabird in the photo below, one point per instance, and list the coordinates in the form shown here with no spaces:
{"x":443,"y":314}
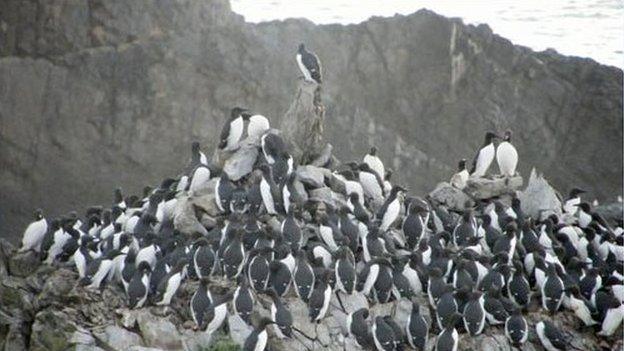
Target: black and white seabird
{"x":465,"y":229}
{"x":234,"y":254}
{"x":460,"y":178}
{"x":268,"y":190}
{"x":34,"y":233}
{"x":417,"y":329}
{"x":170,"y":283}
{"x":303,"y":277}
{"x":258,"y":125}
{"x":233,"y":129}
{"x":574,"y":198}
{"x":258,"y":338}
{"x":507,"y":156}
{"x":474,"y":313}
{"x":273,"y":148}
{"x":518,"y":286}
{"x":383,"y":335}
{"x":551,"y":338}
{"x":309,"y":64}
{"x":203,"y":258}
{"x":371,"y":182}
{"x":215,"y":314}
{"x":199,"y":178}
{"x":484,"y":157}
{"x":374,"y":162}
{"x":448,"y":339}
{"x":357,"y":326}
{"x":99,"y":269}
{"x":552,"y":290}
{"x":414,"y":226}
{"x":223,"y":192}
{"x":610,"y":312}
{"x":390,"y":210}
{"x":281,"y":315}
{"x":517,"y":328}
{"x":279,"y":277}
{"x":139,"y":286}
{"x":200,"y":301}
{"x":345,"y":270}
{"x":243,"y":300}
{"x":319,"y":299}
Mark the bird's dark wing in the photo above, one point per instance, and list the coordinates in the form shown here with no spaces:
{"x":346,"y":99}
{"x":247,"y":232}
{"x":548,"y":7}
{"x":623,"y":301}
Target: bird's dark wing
{"x":474,"y":162}
{"x":225,"y":132}
{"x":313,"y":64}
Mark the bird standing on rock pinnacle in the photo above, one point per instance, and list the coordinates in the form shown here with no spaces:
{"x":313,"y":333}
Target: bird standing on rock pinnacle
{"x":309,"y":64}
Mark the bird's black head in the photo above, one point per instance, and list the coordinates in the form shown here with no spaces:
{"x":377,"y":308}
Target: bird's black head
{"x":144,"y":267}
{"x":195,"y":146}
{"x":38,"y":214}
{"x":373,"y":151}
{"x":238,"y":111}
{"x":490,"y":136}
{"x":576,"y":192}
{"x":462,"y":164}
{"x":301,"y":48}
{"x":584,"y":206}
{"x":507,"y":135}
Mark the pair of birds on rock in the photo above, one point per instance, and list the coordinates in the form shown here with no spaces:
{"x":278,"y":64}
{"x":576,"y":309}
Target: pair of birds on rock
{"x":506,"y":157}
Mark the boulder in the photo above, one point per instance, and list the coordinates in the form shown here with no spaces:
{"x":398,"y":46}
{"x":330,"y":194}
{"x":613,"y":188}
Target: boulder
{"x":23,"y":264}
{"x":5,"y":252}
{"x":119,"y":338}
{"x":612,"y":212}
{"x":158,"y":331}
{"x":312,"y":176}
{"x":451,"y":197}
{"x":239,"y":330}
{"x":487,"y":188}
{"x":185,"y":215}
{"x":52,"y":331}
{"x":539,"y":199}
{"x":242,"y":161}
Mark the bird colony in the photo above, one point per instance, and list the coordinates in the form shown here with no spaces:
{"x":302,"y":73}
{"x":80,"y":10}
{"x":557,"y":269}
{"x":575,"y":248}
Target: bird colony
{"x":326,"y":233}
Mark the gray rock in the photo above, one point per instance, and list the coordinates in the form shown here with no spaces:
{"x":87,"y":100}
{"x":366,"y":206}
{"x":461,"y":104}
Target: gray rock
{"x":539,"y":199}
{"x":242,"y":161}
{"x":323,"y":194}
{"x":14,"y":340}
{"x":142,"y":348}
{"x":611,"y":212}
{"x":195,"y":340}
{"x":23,"y":264}
{"x":451,"y":197}
{"x":239,"y":330}
{"x":158,"y":331}
{"x":52,"y":331}
{"x":312,"y":175}
{"x":486,"y":188}
{"x":184,"y":215}
{"x":82,"y":337}
{"x":484,"y":342}
{"x":119,"y":338}
{"x":6,"y":250}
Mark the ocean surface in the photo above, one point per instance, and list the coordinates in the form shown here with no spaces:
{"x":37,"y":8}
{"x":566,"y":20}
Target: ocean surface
{"x":585,"y":28}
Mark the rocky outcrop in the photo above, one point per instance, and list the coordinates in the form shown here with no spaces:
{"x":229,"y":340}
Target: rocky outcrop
{"x":100,"y":93}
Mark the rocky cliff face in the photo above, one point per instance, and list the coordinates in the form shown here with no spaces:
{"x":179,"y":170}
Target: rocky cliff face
{"x":100,"y":93}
